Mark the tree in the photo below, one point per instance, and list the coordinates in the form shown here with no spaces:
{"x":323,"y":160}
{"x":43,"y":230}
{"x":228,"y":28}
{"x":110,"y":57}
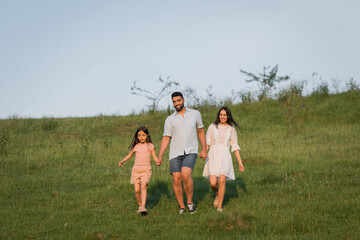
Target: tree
{"x":267,"y":79}
{"x":294,"y":106}
{"x":167,"y":87}
{"x":193,"y":99}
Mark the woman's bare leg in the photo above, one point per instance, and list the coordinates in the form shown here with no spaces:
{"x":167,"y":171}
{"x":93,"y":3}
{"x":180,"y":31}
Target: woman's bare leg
{"x":221,"y":191}
{"x":214,"y":187}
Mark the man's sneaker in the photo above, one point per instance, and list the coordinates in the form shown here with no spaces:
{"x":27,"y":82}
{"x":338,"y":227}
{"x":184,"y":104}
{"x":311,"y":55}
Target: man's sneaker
{"x":191,"y":208}
{"x":182,"y":210}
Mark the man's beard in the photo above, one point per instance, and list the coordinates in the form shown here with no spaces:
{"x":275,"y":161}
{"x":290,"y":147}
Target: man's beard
{"x":181,"y":107}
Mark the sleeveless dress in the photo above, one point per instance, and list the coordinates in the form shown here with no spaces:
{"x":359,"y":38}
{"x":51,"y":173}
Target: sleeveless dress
{"x":219,"y":161}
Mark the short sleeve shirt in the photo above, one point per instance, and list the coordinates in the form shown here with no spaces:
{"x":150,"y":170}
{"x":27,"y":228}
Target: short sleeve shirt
{"x":183,"y":132}
{"x":142,"y":156}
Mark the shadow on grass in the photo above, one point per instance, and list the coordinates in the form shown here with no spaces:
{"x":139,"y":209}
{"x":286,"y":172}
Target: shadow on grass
{"x":201,"y":189}
{"x":155,"y":192}
{"x":232,"y":189}
{"x":160,"y":189}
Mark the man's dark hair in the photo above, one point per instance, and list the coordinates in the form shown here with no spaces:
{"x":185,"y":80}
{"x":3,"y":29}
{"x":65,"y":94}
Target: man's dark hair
{"x":177,"y":94}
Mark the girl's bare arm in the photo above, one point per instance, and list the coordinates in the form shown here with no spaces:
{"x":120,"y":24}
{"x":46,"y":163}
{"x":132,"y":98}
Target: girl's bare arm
{"x":126,"y":158}
{"x":153,"y":154}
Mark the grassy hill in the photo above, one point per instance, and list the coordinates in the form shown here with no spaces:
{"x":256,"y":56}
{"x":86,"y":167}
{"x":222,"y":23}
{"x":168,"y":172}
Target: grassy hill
{"x":60,"y":180}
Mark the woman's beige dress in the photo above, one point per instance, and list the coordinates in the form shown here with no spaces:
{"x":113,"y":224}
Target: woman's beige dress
{"x":219,"y":161}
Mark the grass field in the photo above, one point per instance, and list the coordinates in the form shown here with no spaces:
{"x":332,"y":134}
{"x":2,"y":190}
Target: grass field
{"x":59,"y":177}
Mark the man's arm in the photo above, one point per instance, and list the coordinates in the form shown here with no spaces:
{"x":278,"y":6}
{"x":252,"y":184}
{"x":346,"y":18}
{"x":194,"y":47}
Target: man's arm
{"x":202,"y":139}
{"x":164,"y":143}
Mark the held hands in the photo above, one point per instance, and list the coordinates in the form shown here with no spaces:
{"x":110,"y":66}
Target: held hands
{"x":203,"y":155}
{"x":159,"y":160}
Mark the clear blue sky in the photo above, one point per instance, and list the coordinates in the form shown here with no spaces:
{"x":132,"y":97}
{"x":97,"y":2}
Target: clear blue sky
{"x":79,"y":58}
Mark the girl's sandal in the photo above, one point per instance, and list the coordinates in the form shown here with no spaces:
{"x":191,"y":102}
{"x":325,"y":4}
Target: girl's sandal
{"x":143,"y":211}
{"x":216,"y":202}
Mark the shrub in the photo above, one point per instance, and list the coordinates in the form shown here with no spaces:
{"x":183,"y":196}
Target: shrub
{"x":321,"y":90}
{"x":245,"y":96}
{"x":353,"y":86}
{"x":294,"y":106}
{"x":4,"y":138}
{"x":295,"y":89}
{"x":49,"y":124}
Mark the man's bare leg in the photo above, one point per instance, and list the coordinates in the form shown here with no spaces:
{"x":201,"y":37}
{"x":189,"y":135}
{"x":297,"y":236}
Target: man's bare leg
{"x":178,"y":188}
{"x":188,"y":183}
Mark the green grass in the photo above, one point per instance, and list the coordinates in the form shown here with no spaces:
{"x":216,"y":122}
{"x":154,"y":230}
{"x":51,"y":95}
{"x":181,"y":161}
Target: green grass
{"x":59,"y":178}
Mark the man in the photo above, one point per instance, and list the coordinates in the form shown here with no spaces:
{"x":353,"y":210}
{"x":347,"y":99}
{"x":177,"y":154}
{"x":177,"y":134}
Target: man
{"x":181,"y":128}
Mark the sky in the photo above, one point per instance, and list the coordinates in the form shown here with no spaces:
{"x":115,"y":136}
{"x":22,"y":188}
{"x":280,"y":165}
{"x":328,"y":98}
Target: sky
{"x":80,"y":58}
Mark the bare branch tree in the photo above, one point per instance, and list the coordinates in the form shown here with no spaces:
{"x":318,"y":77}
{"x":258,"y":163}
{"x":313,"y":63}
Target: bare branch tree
{"x":167,"y":87}
{"x":267,"y":79}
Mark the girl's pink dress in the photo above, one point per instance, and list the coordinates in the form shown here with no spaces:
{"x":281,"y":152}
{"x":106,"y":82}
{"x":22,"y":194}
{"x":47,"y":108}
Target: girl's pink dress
{"x":141,"y":171}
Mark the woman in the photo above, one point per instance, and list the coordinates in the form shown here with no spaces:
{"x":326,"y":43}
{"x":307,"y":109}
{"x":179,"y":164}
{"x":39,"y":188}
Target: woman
{"x":218,"y":167}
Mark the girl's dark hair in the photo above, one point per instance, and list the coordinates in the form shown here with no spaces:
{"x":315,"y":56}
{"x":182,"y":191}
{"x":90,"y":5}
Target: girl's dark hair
{"x":230,"y":119}
{"x":136,"y":140}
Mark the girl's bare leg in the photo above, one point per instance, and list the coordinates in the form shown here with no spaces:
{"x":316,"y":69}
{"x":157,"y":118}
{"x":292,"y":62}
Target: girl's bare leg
{"x":143,"y":194}
{"x":221,"y":191}
{"x":138,"y":193}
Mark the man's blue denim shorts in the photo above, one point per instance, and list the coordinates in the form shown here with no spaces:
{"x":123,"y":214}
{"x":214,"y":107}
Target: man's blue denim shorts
{"x":187,"y":160}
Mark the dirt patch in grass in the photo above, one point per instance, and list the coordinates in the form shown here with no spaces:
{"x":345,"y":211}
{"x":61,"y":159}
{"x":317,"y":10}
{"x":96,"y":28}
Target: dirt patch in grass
{"x":230,"y":222}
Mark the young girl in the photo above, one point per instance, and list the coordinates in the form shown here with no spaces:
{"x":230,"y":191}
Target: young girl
{"x":141,"y":171}
{"x":218,"y":166}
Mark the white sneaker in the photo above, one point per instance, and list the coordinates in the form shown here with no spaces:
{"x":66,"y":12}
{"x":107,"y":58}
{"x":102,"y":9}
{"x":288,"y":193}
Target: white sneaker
{"x":182,"y":210}
{"x":191,"y":208}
